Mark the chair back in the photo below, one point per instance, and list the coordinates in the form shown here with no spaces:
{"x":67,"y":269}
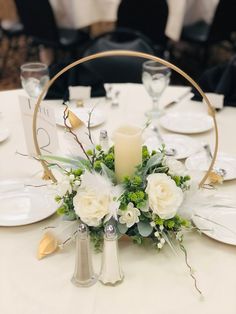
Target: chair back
{"x":224,"y":22}
{"x":120,"y":69}
{"x":146,"y":16}
{"x":38,"y":20}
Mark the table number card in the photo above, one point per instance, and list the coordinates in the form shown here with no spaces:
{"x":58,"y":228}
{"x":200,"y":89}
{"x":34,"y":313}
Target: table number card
{"x":46,"y":127}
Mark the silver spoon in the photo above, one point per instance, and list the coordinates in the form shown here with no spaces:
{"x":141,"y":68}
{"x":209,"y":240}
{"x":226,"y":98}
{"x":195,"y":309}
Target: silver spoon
{"x":220,"y":171}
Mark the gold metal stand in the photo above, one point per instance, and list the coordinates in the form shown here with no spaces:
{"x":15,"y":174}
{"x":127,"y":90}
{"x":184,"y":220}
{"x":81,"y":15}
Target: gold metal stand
{"x":127,"y":54}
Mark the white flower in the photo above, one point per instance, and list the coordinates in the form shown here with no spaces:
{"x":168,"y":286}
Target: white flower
{"x":161,"y":227}
{"x":129,"y":216}
{"x":163,"y":195}
{"x":152,"y":224}
{"x":72,"y":177}
{"x":77,"y":183}
{"x":64,"y":186}
{"x":96,"y":198}
{"x":157,"y":234}
{"x":162,"y":241}
{"x":179,"y":236}
{"x":159,"y":245}
{"x":176,"y":168}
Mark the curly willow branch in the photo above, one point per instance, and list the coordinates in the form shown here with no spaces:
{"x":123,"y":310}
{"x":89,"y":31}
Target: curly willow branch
{"x":190,"y":268}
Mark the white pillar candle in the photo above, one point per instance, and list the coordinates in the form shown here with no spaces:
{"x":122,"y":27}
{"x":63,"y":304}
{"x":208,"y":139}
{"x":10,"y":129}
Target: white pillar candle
{"x":128,"y":150}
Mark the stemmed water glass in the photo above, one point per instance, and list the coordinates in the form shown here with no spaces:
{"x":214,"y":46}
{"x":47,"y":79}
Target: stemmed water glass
{"x":156,"y":78}
{"x":34,"y":77}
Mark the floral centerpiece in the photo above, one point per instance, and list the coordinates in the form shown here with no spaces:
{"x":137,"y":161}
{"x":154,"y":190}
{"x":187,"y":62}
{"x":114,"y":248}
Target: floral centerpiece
{"x":143,"y":206}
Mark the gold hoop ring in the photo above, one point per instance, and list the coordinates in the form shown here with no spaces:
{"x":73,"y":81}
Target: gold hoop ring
{"x":126,"y":53}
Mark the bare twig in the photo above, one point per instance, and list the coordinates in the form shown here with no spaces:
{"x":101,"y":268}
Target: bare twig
{"x":189,"y":267}
{"x":47,"y":162}
{"x":89,"y":125}
{"x":65,"y":117}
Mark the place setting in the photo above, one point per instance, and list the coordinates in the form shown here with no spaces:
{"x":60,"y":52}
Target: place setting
{"x":155,"y":80}
{"x":118,"y":163}
{"x":225,"y":164}
{"x":25,"y":201}
{"x":97,"y":115}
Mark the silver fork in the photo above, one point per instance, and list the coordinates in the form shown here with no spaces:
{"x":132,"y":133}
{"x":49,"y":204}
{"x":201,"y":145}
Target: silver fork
{"x":222,"y":172}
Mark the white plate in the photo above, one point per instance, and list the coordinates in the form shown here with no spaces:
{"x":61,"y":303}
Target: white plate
{"x":97,"y":116}
{"x":218,"y":223}
{"x":21,"y":205}
{"x":4,"y":134}
{"x":188,"y":123}
{"x":201,"y":162}
{"x":184,"y":145}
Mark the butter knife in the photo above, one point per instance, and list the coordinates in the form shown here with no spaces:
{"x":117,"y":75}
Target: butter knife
{"x":178,"y":99}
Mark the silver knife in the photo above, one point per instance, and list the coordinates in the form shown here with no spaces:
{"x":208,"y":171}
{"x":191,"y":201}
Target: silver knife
{"x":178,"y":99}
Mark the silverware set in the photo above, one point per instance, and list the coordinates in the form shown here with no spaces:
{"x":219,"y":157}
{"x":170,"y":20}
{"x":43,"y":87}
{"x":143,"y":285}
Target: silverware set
{"x":220,"y":171}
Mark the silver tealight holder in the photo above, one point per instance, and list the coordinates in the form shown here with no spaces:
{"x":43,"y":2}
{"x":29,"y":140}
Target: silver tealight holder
{"x":83,"y":274}
{"x":111,"y":272}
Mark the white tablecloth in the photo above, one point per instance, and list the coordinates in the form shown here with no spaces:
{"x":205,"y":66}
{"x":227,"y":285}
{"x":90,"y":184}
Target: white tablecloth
{"x":154,"y":282}
{"x":82,"y":13}
{"x":185,"y":12}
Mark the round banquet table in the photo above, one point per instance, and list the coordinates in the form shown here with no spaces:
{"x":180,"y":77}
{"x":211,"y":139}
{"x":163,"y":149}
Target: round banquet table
{"x":154,"y":282}
{"x":80,"y":14}
{"x":186,"y":12}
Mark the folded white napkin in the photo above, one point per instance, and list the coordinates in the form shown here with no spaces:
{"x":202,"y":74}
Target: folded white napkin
{"x":79,"y":92}
{"x":216,"y":100}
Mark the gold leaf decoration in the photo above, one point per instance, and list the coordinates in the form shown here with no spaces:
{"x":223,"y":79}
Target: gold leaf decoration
{"x":75,"y":122}
{"x":47,"y":245}
{"x":215,"y":178}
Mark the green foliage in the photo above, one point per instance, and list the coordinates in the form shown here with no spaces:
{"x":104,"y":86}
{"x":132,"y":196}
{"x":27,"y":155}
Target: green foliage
{"x":96,"y":236}
{"x":181,"y":181}
{"x":150,"y":225}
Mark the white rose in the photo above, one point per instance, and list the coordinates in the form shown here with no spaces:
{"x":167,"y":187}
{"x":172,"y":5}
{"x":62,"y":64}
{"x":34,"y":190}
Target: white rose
{"x":96,"y":198}
{"x":164,"y":196}
{"x":90,"y":206}
{"x":64,"y":186}
{"x":129,"y":216}
{"x":176,"y":168}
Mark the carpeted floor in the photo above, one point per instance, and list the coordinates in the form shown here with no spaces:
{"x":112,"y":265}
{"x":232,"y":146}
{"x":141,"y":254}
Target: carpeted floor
{"x":182,"y":55}
{"x":14,"y":58}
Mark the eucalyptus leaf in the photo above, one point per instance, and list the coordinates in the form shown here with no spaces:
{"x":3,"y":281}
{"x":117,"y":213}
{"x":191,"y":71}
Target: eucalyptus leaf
{"x":153,"y":161}
{"x":80,"y":163}
{"x":122,"y":228}
{"x":108,"y":172}
{"x":144,"y":229}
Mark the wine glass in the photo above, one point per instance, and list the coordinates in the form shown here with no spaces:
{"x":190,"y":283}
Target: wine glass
{"x":34,"y":77}
{"x":156,"y":78}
